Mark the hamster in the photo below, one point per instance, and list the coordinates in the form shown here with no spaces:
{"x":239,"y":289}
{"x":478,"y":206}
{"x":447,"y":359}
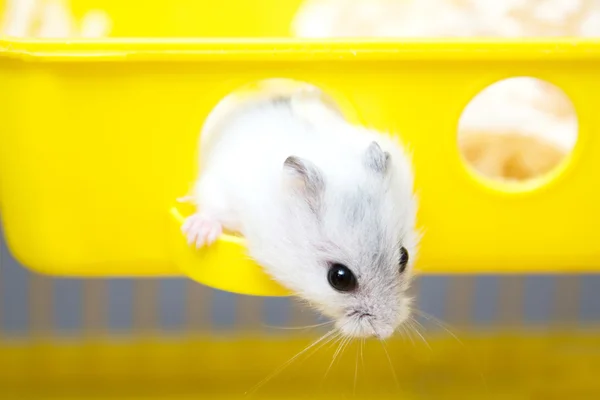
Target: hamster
{"x":327,"y":208}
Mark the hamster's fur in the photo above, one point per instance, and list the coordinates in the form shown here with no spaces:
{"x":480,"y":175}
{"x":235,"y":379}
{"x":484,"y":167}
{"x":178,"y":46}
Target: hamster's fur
{"x":308,"y":190}
{"x":524,"y":127}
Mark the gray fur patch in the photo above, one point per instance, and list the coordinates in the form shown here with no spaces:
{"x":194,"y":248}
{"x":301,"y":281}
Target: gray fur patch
{"x":309,"y":178}
{"x":376,"y":159}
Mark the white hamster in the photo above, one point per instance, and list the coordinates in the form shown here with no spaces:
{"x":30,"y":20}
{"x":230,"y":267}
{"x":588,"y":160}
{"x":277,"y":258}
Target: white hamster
{"x":327,"y":207}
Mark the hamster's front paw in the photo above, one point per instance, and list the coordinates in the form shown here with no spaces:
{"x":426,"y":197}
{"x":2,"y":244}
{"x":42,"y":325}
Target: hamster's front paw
{"x":201,"y":230}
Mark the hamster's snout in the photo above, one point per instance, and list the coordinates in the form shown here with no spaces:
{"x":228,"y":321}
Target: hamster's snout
{"x":361,"y":324}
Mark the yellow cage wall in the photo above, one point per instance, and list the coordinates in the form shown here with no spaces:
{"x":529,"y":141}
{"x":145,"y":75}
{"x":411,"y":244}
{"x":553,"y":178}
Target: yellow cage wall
{"x":98,"y":139}
{"x":93,"y":197}
{"x":519,"y":337}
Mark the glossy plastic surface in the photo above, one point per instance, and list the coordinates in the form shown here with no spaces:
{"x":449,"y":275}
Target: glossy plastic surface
{"x":99,"y":138}
{"x":498,"y":366}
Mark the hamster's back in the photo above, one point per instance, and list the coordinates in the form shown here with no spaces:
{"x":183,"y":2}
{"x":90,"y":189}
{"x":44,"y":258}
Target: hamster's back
{"x":256,"y":140}
{"x":243,"y":156}
{"x":250,"y":141}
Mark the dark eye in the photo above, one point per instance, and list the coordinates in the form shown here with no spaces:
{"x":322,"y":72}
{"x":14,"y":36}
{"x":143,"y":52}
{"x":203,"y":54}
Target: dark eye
{"x":403,"y":259}
{"x":341,"y":278}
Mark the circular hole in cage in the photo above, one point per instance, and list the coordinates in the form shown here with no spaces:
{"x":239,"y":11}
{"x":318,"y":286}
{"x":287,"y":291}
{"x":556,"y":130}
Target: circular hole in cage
{"x":517,"y":130}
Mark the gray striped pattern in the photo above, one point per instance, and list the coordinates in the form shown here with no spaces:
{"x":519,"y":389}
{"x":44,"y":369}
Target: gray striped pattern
{"x":35,"y":305}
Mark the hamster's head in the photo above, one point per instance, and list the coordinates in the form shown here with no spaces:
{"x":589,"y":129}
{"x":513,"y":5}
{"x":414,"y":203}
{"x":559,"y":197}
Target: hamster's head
{"x":349,"y":237}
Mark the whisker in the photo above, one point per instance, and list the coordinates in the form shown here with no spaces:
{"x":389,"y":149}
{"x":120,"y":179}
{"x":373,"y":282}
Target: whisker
{"x":340,"y":342}
{"x":299,"y":327}
{"x":362,"y":358}
{"x":344,"y":342}
{"x":387,"y":354}
{"x":418,"y":323}
{"x":333,"y":343}
{"x":408,"y":335}
{"x":319,"y":347}
{"x":419,"y":327}
{"x":287,"y":363}
{"x":439,"y":323}
{"x":356,"y":370}
{"x":416,"y":330}
{"x":346,"y":345}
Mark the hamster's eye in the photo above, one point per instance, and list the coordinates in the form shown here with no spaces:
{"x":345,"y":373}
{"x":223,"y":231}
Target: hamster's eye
{"x":403,"y":259}
{"x":341,"y":278}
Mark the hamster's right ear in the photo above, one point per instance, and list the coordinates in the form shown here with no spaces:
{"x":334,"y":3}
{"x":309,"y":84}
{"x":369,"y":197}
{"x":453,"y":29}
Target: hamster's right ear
{"x":376,"y":159}
{"x":305,"y":179}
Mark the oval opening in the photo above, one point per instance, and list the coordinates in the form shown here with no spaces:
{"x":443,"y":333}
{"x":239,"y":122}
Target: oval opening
{"x":245,"y":95}
{"x":221,"y":244}
{"x":518,"y":131}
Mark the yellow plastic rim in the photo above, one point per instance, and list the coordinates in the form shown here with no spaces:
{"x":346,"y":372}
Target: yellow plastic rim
{"x":224,"y":265}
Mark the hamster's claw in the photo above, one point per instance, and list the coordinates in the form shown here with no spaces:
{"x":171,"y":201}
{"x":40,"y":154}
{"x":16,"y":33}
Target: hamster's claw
{"x":201,"y":230}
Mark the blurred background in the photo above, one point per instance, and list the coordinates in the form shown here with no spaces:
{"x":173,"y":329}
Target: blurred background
{"x":157,"y":337}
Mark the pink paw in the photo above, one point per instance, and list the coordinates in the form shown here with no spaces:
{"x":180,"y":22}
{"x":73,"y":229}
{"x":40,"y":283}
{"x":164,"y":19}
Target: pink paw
{"x":201,"y":230}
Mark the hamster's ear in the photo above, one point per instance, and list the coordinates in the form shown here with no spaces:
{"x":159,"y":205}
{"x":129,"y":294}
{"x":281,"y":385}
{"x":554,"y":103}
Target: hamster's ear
{"x":306,"y":179}
{"x":376,"y":159}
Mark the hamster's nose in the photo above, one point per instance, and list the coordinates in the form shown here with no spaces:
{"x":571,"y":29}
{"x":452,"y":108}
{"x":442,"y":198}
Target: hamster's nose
{"x":383,"y":332}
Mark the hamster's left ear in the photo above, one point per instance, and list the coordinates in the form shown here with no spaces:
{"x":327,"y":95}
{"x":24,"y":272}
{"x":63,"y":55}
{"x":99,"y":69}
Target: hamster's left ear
{"x":376,"y":159}
{"x":306,"y":180}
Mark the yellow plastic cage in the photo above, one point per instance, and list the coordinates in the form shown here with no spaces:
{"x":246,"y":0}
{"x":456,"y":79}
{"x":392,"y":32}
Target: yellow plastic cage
{"x":99,"y":140}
